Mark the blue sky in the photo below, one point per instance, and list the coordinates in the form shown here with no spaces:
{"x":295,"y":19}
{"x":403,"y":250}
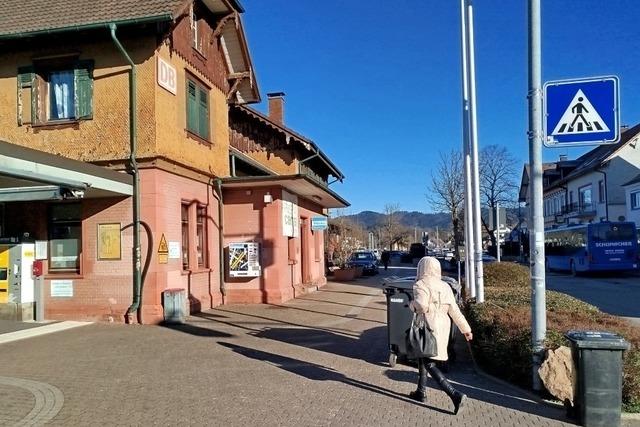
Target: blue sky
{"x":377,"y":83}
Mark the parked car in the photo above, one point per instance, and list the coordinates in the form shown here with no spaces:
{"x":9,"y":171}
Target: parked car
{"x":365,"y":259}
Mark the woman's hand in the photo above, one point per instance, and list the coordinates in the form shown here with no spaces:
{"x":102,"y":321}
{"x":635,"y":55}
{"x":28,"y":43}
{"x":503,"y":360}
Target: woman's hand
{"x":468,"y":336}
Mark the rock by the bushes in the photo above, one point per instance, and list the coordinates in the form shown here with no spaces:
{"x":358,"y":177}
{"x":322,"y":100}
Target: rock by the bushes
{"x":557,"y":374}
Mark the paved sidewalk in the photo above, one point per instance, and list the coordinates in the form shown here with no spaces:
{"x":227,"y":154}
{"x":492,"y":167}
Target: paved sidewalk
{"x":317,"y":361}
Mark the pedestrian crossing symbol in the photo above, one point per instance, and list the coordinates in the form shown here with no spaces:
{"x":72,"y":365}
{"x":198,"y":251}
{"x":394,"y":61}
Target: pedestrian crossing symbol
{"x":581,"y":112}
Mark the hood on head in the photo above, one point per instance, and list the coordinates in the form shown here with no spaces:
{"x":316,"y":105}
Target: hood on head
{"x":428,"y":267}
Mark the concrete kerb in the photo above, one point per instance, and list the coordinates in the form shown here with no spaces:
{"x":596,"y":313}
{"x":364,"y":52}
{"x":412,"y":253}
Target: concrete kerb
{"x":531,"y":395}
{"x":41,"y":330}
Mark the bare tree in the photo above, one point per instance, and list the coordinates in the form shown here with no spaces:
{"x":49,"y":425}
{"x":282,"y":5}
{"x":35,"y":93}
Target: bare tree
{"x":393,"y":232}
{"x":498,"y":182}
{"x":446,"y":192}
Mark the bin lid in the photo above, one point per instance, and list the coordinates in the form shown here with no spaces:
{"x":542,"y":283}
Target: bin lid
{"x":405,"y":283}
{"x":597,"y":339}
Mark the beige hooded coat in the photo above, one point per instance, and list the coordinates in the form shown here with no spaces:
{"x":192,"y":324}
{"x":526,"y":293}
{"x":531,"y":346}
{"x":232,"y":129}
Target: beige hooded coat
{"x":435,"y":299}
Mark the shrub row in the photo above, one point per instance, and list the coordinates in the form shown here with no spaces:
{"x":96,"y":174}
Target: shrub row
{"x":502,"y":328}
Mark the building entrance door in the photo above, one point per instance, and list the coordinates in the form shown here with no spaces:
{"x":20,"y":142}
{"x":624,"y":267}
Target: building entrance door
{"x":4,"y":279}
{"x":304,"y":251}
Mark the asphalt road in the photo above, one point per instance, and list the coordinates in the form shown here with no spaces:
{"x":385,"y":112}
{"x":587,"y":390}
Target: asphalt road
{"x":614,"y":295}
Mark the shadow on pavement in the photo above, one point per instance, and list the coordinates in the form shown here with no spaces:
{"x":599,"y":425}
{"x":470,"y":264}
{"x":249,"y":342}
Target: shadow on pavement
{"x":190,"y":328}
{"x":366,"y":347}
{"x":316,"y":372}
{"x":485,"y":390}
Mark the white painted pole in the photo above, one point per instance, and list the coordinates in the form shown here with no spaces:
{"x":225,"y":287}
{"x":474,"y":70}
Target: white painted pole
{"x":536,"y":227}
{"x":475,"y":173}
{"x":469,"y":270}
{"x":498,"y":231}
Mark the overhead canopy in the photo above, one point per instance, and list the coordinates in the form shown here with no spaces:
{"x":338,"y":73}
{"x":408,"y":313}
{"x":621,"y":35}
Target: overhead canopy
{"x":27,"y":174}
{"x":301,"y":185}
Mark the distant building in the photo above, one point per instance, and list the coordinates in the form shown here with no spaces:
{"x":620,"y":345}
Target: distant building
{"x":589,"y":188}
{"x":632,"y":196}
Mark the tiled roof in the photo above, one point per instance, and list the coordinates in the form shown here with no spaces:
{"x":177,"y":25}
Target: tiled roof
{"x":27,"y":16}
{"x":598,"y":155}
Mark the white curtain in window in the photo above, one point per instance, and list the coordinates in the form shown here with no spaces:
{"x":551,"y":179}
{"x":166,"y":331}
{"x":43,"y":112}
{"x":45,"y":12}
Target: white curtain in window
{"x":61,"y":95}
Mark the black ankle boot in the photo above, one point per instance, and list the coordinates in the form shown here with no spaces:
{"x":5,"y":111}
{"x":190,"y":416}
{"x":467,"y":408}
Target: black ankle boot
{"x":457,"y":397}
{"x":458,"y":401}
{"x":419,"y":394}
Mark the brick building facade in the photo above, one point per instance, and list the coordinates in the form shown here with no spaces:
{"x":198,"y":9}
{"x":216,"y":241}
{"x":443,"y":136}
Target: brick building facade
{"x":65,"y":92}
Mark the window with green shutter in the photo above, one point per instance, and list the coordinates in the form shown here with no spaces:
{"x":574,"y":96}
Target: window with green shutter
{"x":55,"y":92}
{"x":197,"y":109}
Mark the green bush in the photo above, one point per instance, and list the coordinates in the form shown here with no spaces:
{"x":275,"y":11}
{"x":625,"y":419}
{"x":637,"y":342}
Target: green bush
{"x":502,"y":329}
{"x":506,"y":275}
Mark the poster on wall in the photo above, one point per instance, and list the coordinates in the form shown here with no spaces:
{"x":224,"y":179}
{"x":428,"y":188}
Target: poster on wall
{"x":244,"y":259}
{"x":109,"y":243}
{"x":290,"y":218}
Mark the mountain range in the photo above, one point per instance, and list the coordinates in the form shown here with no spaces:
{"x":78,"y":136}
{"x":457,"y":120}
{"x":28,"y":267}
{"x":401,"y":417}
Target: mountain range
{"x":370,"y":219}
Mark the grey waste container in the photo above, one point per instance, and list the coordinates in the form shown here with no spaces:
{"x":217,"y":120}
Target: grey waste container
{"x":174,"y":302}
{"x":597,"y":358}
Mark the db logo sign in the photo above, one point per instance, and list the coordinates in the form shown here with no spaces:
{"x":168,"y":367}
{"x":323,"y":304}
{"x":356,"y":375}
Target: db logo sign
{"x":167,"y":77}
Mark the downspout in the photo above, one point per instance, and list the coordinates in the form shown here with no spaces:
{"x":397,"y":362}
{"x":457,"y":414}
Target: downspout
{"x":137,"y":275}
{"x":223,"y":289}
{"x":606,"y":194}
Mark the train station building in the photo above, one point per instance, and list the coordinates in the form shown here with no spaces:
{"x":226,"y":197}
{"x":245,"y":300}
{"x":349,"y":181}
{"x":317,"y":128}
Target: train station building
{"x":226,"y":195}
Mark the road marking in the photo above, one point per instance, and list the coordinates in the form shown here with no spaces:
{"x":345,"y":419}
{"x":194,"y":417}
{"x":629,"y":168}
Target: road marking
{"x":41,"y":330}
{"x":48,"y":400}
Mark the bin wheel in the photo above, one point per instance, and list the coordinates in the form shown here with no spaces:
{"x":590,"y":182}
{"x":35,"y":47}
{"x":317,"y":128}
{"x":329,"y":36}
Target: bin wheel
{"x":393,"y":358}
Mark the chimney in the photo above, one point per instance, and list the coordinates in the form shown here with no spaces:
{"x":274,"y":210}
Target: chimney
{"x":276,"y":107}
{"x":563,"y":157}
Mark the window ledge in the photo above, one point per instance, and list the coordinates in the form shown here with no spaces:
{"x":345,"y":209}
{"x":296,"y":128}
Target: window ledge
{"x":52,"y":275}
{"x":200,"y":270}
{"x":198,"y":138}
{"x":75,"y":124}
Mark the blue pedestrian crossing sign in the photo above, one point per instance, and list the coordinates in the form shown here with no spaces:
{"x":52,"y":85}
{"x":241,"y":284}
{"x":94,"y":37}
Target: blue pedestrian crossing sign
{"x":582,"y":112}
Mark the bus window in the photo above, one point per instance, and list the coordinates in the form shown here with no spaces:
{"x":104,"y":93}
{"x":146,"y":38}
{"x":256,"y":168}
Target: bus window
{"x":612,"y":232}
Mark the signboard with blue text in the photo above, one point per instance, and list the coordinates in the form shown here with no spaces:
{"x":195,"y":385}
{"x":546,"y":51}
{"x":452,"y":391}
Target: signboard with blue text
{"x":582,"y":112}
{"x":319,"y":223}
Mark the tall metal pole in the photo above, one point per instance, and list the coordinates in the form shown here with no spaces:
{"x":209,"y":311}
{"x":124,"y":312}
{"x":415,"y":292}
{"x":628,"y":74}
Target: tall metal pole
{"x":536,"y":233}
{"x":475,"y":172}
{"x":497,"y":231}
{"x":469,"y":270}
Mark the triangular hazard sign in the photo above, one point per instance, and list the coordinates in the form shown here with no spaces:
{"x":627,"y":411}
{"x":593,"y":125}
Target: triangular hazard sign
{"x":580,"y":117}
{"x":163,"y":247}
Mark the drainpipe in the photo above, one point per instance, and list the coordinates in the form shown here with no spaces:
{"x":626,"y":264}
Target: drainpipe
{"x":606,"y":194}
{"x":223,"y":289}
{"x":137,"y":275}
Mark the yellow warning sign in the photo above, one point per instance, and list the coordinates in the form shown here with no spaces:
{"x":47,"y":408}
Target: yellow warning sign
{"x":163,"y":248}
{"x":163,"y":251}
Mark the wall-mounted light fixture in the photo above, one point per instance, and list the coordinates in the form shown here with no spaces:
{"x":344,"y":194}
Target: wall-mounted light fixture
{"x":268,"y":198}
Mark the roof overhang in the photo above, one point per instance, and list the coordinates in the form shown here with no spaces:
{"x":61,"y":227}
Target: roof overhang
{"x":302,"y":185}
{"x":236,"y":51}
{"x":27,"y":174}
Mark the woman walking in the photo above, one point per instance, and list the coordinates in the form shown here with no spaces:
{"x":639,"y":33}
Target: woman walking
{"x":434,"y":298}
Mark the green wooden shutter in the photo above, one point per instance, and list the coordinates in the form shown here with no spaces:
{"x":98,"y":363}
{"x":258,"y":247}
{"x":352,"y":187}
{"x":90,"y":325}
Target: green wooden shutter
{"x":192,"y":107}
{"x":26,"y":77}
{"x":203,"y":114}
{"x":83,"y":89}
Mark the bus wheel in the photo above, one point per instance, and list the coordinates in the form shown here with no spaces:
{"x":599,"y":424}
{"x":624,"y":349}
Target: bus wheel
{"x":572,"y":265}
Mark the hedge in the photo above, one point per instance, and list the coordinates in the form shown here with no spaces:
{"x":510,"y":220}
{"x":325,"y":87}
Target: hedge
{"x":502,"y":328}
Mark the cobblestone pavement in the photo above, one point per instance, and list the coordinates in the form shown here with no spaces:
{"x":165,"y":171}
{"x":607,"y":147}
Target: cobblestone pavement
{"x":317,"y":361}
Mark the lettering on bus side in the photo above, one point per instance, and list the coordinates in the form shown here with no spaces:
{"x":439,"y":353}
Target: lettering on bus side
{"x":609,"y":244}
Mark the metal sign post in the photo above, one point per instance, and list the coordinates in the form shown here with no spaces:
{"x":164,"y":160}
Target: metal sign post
{"x":536,"y":234}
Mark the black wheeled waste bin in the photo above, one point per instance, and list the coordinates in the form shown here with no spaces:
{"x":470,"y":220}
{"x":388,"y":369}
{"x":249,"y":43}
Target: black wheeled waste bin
{"x":399,"y":294}
{"x":597,"y":357}
{"x":399,"y":316}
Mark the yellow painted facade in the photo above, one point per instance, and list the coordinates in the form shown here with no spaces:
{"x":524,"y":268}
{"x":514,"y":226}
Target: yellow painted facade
{"x":161,"y":128}
{"x":171,"y":123}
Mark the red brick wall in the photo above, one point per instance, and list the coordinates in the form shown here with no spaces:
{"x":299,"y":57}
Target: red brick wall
{"x":248,"y":218}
